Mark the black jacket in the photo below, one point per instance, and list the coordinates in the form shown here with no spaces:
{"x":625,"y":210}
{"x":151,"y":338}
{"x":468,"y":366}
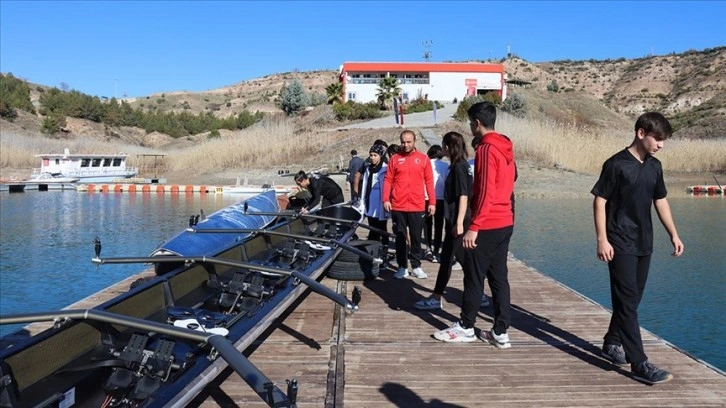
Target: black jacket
{"x":323,"y":188}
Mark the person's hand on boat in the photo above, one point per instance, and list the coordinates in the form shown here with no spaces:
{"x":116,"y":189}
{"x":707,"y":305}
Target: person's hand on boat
{"x":303,"y":210}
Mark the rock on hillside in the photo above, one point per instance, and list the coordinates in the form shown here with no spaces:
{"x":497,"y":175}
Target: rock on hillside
{"x":257,"y":94}
{"x":688,"y":87}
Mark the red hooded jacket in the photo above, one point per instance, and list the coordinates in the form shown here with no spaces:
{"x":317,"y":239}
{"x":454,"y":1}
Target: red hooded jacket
{"x":494,"y":174}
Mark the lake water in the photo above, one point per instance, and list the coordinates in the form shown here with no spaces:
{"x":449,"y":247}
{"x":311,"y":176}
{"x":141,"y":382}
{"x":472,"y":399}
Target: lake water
{"x":685,"y":297}
{"x":46,"y":246}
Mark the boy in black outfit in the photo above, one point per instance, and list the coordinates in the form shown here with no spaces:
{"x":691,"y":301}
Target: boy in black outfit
{"x":629,"y":182}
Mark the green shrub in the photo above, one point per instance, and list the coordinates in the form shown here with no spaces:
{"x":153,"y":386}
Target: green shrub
{"x":53,"y":124}
{"x":354,"y":110}
{"x":292,"y":98}
{"x":515,"y":105}
{"x":15,"y":93}
{"x":465,"y":105}
{"x":421,"y":105}
{"x":553,"y":86}
{"x":7,"y":111}
{"x":214,"y":134}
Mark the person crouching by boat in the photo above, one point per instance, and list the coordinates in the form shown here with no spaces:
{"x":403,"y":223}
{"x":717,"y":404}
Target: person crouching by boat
{"x":370,"y":193}
{"x":323,"y":190}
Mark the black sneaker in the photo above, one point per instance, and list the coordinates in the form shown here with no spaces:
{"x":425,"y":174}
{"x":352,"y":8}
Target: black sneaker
{"x":649,"y":374}
{"x":615,"y":354}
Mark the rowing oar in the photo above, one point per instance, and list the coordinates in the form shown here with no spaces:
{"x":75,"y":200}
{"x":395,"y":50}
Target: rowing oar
{"x":362,"y":254}
{"x":314,"y":285}
{"x":252,"y":375}
{"x":719,"y":184}
{"x":295,"y":214}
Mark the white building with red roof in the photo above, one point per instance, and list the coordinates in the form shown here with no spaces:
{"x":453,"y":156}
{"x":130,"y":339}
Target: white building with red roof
{"x":440,"y":81}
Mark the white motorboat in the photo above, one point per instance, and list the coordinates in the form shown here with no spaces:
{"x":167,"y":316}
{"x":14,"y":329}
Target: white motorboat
{"x":86,"y":168}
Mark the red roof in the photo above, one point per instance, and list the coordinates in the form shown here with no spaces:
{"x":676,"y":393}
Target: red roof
{"x":422,"y":67}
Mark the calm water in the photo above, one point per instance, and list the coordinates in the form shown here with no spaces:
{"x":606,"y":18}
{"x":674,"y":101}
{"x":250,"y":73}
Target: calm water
{"x":46,"y":246}
{"x":685,"y":297}
{"x":46,"y":241}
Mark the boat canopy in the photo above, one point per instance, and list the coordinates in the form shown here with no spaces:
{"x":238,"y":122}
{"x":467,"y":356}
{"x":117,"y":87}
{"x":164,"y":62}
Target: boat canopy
{"x":188,"y":243}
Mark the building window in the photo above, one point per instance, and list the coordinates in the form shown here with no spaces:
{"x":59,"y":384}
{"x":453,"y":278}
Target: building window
{"x":351,"y":96}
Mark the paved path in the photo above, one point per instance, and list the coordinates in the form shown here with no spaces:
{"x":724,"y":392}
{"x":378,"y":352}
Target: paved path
{"x":412,"y":120}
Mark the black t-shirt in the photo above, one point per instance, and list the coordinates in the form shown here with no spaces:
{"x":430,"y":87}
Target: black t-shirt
{"x":630,"y":187}
{"x":459,"y":182}
{"x":323,"y":188}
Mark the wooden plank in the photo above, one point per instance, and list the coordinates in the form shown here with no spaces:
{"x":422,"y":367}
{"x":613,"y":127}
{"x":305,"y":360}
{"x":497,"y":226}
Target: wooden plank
{"x":384,"y":355}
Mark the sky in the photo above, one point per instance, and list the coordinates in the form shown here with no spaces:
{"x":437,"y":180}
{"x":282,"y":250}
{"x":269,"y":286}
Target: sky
{"x":138,"y":48}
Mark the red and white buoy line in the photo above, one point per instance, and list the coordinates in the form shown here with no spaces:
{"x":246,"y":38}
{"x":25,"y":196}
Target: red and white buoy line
{"x":710,"y":190}
{"x":148,"y":188}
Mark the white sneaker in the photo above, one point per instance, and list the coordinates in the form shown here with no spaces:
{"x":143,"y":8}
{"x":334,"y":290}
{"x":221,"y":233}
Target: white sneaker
{"x":401,"y":273}
{"x":499,"y":341}
{"x":430,"y":303}
{"x":456,"y":266}
{"x":419,"y":273}
{"x":455,"y":334}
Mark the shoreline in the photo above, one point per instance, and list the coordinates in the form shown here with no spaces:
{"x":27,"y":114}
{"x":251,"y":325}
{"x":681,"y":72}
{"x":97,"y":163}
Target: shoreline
{"x":534,"y":181}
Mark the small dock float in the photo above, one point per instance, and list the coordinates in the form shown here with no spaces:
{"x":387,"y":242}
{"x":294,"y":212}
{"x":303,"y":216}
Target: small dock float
{"x":706,"y":189}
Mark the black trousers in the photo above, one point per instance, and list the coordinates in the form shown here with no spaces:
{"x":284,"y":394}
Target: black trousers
{"x":487,"y":260}
{"x":435,"y":225}
{"x":408,"y":225}
{"x":381,"y":225}
{"x":450,"y":246}
{"x":628,"y":274}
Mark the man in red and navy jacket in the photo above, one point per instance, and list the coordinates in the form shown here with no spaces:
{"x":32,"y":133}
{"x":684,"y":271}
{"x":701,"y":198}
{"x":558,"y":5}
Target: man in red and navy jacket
{"x":409,"y":175}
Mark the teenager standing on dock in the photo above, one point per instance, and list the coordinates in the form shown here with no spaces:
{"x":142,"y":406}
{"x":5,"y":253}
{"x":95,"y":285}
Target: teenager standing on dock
{"x":456,"y":213}
{"x":630,"y":181}
{"x":486,"y":242}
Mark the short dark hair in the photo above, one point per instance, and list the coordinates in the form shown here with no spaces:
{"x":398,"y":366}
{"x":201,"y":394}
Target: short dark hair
{"x":484,"y":112}
{"x":393,"y":149}
{"x":353,"y":152}
{"x":300,"y":176}
{"x":435,"y":152}
{"x":409,"y":131}
{"x":654,"y":123}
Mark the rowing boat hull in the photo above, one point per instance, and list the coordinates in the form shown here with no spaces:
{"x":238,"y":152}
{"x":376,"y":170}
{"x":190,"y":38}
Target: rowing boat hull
{"x":251,"y":283}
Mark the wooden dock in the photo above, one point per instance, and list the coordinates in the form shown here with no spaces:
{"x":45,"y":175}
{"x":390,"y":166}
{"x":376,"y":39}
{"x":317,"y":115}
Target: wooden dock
{"x":384,"y":355}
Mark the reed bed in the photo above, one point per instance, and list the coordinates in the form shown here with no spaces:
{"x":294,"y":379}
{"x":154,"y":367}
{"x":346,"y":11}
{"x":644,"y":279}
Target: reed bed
{"x":277,"y":141}
{"x":584,"y":149}
{"x":273,"y":142}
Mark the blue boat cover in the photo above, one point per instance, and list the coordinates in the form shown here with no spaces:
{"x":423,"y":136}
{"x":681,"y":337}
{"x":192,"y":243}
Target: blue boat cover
{"x":188,"y":243}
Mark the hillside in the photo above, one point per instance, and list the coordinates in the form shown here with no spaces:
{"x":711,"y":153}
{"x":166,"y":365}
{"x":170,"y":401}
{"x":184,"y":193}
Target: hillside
{"x":594,"y":97}
{"x":690,"y":88}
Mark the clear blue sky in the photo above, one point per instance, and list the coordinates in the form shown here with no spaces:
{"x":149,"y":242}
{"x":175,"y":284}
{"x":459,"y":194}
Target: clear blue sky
{"x":137,"y":48}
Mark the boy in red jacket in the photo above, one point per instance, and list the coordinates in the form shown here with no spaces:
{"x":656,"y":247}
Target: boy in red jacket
{"x":486,"y":242}
{"x":409,"y":173}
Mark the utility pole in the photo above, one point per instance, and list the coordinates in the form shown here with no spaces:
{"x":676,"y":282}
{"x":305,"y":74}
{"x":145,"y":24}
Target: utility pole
{"x":427,"y":50}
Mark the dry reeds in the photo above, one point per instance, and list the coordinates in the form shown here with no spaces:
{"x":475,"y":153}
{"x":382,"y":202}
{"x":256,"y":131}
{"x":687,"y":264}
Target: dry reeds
{"x":276,"y":142}
{"x":584,"y":149}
